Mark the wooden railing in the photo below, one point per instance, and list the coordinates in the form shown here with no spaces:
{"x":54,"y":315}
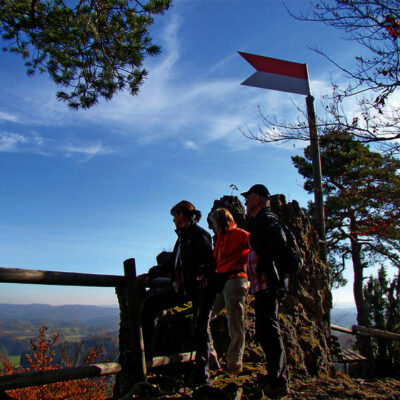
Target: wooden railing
{"x":365,"y":331}
{"x":36,"y":378}
{"x":135,"y":370}
{"x":347,"y":356}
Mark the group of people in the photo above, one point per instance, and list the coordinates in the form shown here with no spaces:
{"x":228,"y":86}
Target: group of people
{"x":218,"y":277}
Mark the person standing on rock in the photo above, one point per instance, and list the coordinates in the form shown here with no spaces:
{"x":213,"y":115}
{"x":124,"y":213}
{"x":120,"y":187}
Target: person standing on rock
{"x":190,"y":268}
{"x":231,"y":252}
{"x":267,"y":241}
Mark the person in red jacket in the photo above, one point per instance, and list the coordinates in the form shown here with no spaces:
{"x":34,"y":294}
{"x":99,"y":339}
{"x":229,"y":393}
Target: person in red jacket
{"x":231,"y":252}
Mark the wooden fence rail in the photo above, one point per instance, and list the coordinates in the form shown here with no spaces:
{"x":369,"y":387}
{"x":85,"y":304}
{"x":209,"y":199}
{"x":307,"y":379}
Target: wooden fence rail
{"x":39,"y":277}
{"x":134,"y":372}
{"x":365,"y":331}
{"x":36,"y":378}
{"x":341,"y":329}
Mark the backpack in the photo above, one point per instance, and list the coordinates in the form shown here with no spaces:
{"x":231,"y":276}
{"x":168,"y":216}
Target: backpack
{"x":291,"y":259}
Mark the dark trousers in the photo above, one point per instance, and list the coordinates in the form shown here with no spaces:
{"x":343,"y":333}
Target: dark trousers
{"x":269,"y":335}
{"x":202,"y":306}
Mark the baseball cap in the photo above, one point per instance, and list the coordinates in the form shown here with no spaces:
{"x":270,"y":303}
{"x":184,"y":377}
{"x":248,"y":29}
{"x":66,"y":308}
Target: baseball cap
{"x":259,"y":189}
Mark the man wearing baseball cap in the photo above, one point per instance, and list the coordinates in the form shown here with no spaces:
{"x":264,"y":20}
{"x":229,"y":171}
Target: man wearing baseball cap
{"x":267,"y":239}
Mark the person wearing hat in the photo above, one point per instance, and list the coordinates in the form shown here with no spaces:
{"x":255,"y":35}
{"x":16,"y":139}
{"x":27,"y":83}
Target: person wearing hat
{"x":267,"y":240}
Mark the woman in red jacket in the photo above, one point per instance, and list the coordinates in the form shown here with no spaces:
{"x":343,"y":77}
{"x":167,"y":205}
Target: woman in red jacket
{"x":230,"y":252}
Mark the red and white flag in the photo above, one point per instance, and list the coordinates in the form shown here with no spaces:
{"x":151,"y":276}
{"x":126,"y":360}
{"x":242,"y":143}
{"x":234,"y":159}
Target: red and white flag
{"x":285,"y":76}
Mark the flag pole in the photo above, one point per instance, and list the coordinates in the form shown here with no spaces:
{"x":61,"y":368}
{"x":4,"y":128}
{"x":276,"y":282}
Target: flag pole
{"x":317,"y":173}
{"x":317,"y":178}
{"x":287,"y":76}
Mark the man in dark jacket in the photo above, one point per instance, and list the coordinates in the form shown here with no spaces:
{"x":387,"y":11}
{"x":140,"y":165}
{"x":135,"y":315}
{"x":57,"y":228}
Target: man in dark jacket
{"x":191,"y":263}
{"x":267,"y":241}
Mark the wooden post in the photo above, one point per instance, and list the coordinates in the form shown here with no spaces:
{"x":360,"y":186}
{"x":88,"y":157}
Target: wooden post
{"x":139,"y":371}
{"x":317,"y":173}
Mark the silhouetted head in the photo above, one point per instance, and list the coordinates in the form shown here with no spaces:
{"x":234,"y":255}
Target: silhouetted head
{"x":221,"y":218}
{"x":257,"y":198}
{"x":185,"y":213}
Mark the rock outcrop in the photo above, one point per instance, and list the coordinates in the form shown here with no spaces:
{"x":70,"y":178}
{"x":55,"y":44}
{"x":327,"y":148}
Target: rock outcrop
{"x":305,"y":311}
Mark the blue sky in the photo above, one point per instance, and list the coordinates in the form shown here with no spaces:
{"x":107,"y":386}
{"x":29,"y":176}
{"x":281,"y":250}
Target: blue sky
{"x":83,"y":190}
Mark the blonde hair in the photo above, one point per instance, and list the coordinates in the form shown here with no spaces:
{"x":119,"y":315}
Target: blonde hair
{"x":221,"y":218}
{"x":187,"y":209}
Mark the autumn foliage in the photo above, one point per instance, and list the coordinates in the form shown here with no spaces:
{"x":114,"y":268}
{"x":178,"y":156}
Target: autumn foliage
{"x":42,"y":359}
{"x":392,"y":25}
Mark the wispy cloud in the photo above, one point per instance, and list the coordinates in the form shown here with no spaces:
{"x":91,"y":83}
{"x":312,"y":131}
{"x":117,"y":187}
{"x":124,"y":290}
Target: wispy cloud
{"x":15,"y":142}
{"x":223,"y":63}
{"x":8,"y":117}
{"x":89,"y":150}
{"x":11,"y":142}
{"x":189,"y":144}
{"x":176,"y":101}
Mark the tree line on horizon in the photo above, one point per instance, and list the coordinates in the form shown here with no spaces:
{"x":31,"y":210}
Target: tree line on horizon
{"x":74,"y":339}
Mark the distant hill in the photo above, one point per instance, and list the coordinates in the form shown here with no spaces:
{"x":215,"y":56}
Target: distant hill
{"x":345,"y":317}
{"x":100,"y":315}
{"x":89,"y":315}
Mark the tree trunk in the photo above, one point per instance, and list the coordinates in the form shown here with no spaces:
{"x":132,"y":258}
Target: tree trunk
{"x":362,"y":314}
{"x":363,"y":342}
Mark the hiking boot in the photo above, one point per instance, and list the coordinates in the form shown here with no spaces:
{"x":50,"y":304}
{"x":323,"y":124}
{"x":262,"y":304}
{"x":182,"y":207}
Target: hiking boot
{"x":276,"y":390}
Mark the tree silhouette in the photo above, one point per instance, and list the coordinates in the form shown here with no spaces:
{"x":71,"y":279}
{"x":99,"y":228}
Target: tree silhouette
{"x":91,"y":49}
{"x":383,"y":303}
{"x":362,"y":203}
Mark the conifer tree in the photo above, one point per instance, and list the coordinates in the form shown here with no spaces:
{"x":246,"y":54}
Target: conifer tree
{"x":383,"y":303}
{"x":362,"y":199}
{"x":90,"y":48}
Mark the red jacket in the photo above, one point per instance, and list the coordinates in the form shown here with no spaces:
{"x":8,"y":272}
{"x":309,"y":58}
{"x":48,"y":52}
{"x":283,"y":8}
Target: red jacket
{"x":231,"y":250}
